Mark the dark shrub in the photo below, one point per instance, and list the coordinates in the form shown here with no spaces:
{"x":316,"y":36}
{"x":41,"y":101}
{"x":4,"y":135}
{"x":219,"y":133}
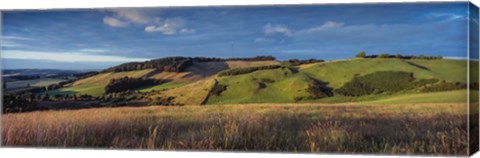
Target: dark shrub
{"x":378,"y":82}
{"x":23,"y":102}
{"x":261,"y":85}
{"x":318,"y":90}
{"x":355,"y":88}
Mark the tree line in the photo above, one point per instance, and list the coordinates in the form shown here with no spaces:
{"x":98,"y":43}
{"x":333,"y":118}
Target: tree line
{"x":397,"y":56}
{"x":297,"y":62}
{"x":175,"y":64}
{"x":239,"y":71}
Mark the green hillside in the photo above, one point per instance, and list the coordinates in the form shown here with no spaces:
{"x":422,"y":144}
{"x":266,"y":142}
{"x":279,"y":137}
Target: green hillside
{"x":284,"y":85}
{"x":338,"y":73}
{"x":280,"y":85}
{"x":244,"y":88}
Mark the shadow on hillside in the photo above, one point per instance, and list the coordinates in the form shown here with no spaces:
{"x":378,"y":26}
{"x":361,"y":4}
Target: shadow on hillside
{"x":417,"y":66}
{"x":206,"y":69}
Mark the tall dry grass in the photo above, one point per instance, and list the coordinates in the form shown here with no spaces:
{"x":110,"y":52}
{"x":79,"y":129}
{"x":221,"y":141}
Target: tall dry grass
{"x":386,"y":129}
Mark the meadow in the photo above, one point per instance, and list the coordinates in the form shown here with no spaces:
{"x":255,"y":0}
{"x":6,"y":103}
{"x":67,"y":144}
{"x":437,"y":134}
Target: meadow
{"x":427,"y":129}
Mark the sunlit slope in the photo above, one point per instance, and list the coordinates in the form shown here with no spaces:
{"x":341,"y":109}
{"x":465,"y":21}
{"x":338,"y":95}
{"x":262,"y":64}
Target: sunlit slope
{"x":337,"y":73}
{"x":199,"y":71}
{"x":279,"y":86}
{"x":191,"y":94}
{"x":95,"y":85}
{"x":288,"y":86}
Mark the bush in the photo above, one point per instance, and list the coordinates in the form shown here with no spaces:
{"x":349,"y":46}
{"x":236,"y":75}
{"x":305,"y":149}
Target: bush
{"x":361,"y":54}
{"x":318,"y":90}
{"x":20,"y":103}
{"x":378,"y":82}
{"x":239,"y":71}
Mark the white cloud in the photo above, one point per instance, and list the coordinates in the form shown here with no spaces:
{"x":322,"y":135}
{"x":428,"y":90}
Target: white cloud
{"x":187,"y":31}
{"x":13,"y":41}
{"x":10,"y":44}
{"x":114,"y":22}
{"x":270,"y":29}
{"x":66,"y":57}
{"x":447,"y":16}
{"x":145,"y":17}
{"x":5,"y":38}
{"x":93,"y":50}
{"x":134,"y":15}
{"x":166,"y":27}
{"x":327,"y":25}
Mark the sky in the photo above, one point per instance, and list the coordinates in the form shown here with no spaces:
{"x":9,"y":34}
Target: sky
{"x":104,"y":37}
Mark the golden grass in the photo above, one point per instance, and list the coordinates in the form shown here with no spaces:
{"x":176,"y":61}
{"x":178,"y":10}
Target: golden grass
{"x":434,"y":129}
{"x":202,"y":70}
{"x":104,"y":78}
{"x":191,"y":94}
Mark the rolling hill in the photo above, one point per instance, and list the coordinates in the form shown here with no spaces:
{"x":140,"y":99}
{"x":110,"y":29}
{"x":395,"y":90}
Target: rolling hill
{"x":244,"y":88}
{"x":95,"y":85}
{"x":195,"y":83}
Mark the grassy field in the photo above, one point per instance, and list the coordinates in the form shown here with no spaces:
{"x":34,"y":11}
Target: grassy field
{"x":33,"y":83}
{"x":284,"y":87}
{"x":95,"y":85}
{"x":337,"y":73}
{"x":457,"y":96}
{"x":432,"y":129}
{"x":191,"y":94}
{"x":164,"y":86}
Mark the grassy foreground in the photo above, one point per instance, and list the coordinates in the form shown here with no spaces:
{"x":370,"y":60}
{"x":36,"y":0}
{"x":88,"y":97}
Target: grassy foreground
{"x":436,"y":129}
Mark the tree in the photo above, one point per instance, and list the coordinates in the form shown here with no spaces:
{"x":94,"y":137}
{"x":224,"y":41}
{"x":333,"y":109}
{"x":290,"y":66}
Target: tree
{"x":361,"y":54}
{"x":398,"y":56}
{"x":383,"y":56}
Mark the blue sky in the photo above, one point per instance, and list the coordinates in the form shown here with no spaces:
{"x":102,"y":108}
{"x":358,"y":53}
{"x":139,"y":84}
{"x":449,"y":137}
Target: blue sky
{"x":99,"y":38}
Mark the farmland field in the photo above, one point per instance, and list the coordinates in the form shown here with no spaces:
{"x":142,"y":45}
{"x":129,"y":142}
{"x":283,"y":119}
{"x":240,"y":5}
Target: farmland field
{"x":432,"y":129}
{"x":33,"y":83}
